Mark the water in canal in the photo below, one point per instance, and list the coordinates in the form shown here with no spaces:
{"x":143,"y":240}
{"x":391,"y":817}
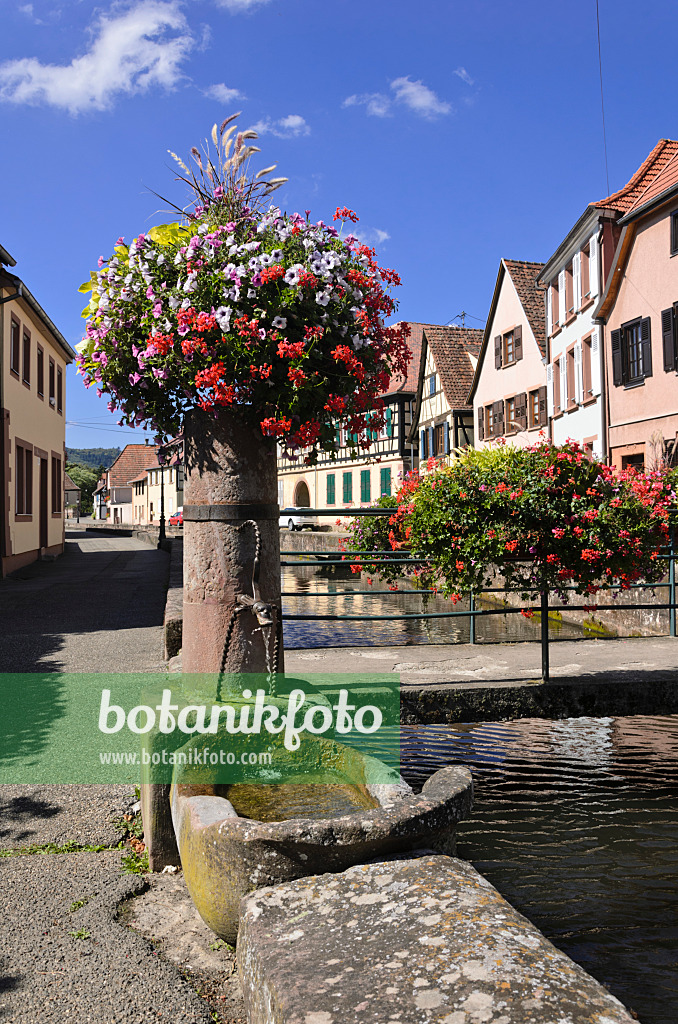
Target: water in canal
{"x":576,"y":823}
{"x":335,"y":590}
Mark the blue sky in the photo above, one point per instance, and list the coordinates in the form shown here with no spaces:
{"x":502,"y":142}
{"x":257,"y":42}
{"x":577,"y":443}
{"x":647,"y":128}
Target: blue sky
{"x":460,"y":132}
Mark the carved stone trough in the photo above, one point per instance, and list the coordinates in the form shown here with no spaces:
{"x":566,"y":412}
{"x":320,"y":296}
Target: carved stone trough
{"x":227,"y":851}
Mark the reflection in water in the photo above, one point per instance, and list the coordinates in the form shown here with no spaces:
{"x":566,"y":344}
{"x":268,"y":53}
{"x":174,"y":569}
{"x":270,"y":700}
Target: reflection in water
{"x":336,"y":590}
{"x":576,"y":823}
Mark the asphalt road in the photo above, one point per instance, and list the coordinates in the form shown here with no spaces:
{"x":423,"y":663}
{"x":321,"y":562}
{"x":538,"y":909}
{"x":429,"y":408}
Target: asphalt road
{"x":98,"y":608}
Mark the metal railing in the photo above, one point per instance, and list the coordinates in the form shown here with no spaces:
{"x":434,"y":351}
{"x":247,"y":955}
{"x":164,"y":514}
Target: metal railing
{"x":386,"y":558}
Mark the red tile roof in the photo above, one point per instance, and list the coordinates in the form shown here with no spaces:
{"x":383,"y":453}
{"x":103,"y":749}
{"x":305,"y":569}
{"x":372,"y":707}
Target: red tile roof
{"x":400,"y":384}
{"x":451,"y":348}
{"x":524,"y":276}
{"x":659,"y":166}
{"x":131,"y":461}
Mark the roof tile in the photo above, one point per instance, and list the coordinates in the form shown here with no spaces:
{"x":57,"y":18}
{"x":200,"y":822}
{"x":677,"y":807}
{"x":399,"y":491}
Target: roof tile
{"x":130,"y":462}
{"x":647,"y":179}
{"x":451,"y":348}
{"x":524,"y":276}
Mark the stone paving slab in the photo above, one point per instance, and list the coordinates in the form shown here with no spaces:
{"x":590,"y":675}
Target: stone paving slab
{"x":425,"y":940}
{"x":108,"y":974}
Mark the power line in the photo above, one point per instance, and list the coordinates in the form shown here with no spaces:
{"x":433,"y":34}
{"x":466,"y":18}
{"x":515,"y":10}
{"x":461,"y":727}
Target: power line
{"x":463,"y":316}
{"x":110,"y":430}
{"x":602,"y":103}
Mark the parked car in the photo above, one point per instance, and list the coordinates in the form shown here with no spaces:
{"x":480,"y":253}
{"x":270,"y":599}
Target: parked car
{"x":177,"y":518}
{"x":296,"y":518}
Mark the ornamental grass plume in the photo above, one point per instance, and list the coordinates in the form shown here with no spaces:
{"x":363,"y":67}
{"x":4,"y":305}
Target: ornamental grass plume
{"x":239,"y":305}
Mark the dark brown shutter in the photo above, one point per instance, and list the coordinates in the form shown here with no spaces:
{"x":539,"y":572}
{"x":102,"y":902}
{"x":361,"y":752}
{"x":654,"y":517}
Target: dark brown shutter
{"x":498,"y":346}
{"x":481,"y":424}
{"x":498,"y":419}
{"x":542,"y":405}
{"x":518,"y":342}
{"x":646,"y":346}
{"x":668,"y":343}
{"x":617,"y":375}
{"x":521,"y":410}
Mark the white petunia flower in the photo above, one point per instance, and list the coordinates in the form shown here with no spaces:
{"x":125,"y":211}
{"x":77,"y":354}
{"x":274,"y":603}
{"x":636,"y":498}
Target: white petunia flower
{"x":280,"y":322}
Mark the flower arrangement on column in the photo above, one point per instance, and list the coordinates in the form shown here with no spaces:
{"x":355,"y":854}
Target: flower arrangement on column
{"x":545,"y":517}
{"x":239,"y":305}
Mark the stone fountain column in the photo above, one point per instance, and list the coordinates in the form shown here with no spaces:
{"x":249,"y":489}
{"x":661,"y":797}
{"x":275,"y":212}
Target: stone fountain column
{"x":230,"y":478}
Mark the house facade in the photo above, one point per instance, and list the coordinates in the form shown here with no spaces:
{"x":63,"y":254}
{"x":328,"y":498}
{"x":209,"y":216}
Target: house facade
{"x":114,"y":496}
{"x":443,"y":418}
{"x":152,"y":487}
{"x":33,"y":360}
{"x":574,"y":374}
{"x":574,"y":279}
{"x":508,"y":391}
{"x":349,"y":481}
{"x":639,"y":310}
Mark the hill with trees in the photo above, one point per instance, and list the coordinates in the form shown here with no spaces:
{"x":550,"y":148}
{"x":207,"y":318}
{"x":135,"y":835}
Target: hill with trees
{"x":93,"y":457}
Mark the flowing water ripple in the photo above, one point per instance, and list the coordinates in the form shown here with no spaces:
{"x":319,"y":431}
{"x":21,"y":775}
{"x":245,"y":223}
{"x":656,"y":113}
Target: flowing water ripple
{"x":576,"y":823}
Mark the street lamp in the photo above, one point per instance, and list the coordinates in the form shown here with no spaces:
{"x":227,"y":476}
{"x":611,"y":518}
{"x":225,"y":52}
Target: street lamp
{"x":161,"y":532}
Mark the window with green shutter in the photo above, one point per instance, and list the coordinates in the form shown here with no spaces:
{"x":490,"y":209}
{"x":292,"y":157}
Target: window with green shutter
{"x":385,"y":482}
{"x":331,"y":494}
{"x":364,"y":485}
{"x":348,"y":486}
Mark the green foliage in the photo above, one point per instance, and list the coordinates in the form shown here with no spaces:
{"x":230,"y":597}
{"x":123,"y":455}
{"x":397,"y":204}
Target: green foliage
{"x":78,"y":904}
{"x":86,"y":479}
{"x":81,"y":933}
{"x":93,"y":457}
{"x":221,"y":944}
{"x":544,"y":516}
{"x":133,"y":863}
{"x":47,"y":848}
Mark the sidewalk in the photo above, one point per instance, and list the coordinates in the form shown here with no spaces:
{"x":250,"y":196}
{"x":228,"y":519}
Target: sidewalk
{"x":496,"y":682}
{"x":63,"y":954}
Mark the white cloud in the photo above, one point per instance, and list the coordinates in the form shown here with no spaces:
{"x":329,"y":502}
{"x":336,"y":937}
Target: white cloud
{"x":419,"y":98}
{"x":371,"y":236}
{"x":291,"y":127}
{"x":464,"y":75}
{"x":238,"y":6}
{"x":415,"y":95}
{"x":129,"y":52}
{"x":376,"y":103}
{"x":223,"y":94}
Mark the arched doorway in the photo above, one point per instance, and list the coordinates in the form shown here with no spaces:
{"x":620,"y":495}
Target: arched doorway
{"x":302,"y":498}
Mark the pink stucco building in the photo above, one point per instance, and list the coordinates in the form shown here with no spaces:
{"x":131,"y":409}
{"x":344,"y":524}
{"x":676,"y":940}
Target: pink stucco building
{"x":509,"y":387}
{"x":639,"y":309}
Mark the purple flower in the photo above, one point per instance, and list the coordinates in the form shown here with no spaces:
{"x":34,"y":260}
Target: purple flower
{"x":134,"y":378}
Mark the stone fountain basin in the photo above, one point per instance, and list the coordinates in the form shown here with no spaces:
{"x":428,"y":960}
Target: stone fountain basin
{"x":225,"y":856}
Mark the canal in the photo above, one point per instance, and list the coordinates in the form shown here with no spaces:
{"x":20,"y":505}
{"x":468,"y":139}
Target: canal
{"x":335,"y":590}
{"x":575,"y":821}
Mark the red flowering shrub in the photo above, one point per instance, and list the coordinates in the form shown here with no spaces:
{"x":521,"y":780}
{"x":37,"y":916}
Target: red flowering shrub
{"x":542,"y":516}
